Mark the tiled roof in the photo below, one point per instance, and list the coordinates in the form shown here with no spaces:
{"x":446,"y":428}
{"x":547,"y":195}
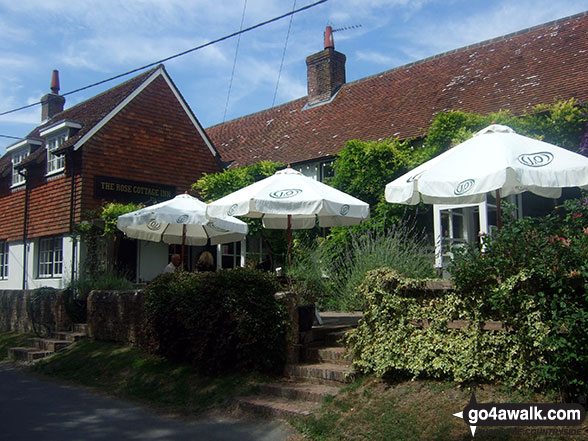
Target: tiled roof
{"x":88,"y":113}
{"x":514,"y":72}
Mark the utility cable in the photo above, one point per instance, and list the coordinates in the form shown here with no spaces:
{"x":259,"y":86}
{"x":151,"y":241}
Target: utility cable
{"x":234,"y":62}
{"x":218,"y":40}
{"x":283,"y":55}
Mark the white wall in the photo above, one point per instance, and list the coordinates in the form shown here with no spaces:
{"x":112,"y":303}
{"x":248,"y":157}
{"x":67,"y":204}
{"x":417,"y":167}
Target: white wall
{"x":16,"y":264}
{"x":152,"y":258}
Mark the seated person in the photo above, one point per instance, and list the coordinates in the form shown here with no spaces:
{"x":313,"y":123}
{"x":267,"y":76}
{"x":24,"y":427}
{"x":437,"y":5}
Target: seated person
{"x":205,"y":262}
{"x":174,"y":265}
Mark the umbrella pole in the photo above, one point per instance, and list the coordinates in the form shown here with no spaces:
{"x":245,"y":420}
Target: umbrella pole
{"x":289,"y":239}
{"x":498,"y":211}
{"x":183,"y":242}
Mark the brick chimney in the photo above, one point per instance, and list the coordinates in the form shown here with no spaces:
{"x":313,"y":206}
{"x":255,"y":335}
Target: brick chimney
{"x":52,"y":103}
{"x":325,"y":71}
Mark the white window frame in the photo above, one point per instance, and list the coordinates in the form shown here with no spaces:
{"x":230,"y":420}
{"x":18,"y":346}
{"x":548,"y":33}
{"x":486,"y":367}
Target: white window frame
{"x":50,"y":257}
{"x":55,"y":163}
{"x":17,"y":157}
{"x":3,"y":260}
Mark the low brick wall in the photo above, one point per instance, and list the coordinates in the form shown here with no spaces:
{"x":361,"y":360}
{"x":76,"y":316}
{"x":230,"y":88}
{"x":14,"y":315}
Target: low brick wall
{"x":117,"y":316}
{"x":49,"y":309}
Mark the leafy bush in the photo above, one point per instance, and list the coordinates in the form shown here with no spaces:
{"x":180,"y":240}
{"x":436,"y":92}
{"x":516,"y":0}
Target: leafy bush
{"x":533,"y":275}
{"x":219,"y":322}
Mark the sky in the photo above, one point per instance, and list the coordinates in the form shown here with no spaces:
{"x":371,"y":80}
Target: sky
{"x":92,"y":40}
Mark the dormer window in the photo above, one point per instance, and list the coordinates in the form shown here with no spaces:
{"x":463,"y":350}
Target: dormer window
{"x":55,"y":163}
{"x":19,"y":152}
{"x":56,"y":135}
{"x":17,"y":157}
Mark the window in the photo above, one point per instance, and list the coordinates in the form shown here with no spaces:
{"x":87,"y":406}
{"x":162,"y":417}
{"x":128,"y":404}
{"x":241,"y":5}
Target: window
{"x":50,"y":257}
{"x":55,"y":163}
{"x":231,"y":255}
{"x":3,"y":260}
{"x":17,"y":157}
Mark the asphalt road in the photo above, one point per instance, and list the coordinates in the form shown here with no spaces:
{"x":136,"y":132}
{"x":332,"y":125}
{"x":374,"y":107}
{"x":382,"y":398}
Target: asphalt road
{"x":33,"y":409}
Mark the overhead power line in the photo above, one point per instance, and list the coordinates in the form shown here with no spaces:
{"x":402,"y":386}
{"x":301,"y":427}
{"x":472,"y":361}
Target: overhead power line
{"x":235,"y":61}
{"x":283,"y":56}
{"x":180,"y":54}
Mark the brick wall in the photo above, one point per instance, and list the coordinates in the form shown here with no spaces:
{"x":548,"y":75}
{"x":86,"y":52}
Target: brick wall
{"x":150,"y":140}
{"x":15,"y":310}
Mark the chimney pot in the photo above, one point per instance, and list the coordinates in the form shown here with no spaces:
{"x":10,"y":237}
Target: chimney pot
{"x":329,"y":41}
{"x":52,"y":103}
{"x":55,"y":82}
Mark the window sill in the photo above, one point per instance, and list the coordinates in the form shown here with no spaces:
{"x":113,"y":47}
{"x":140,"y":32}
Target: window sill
{"x":55,"y":277}
{"x":55,"y":173}
{"x":17,"y":186}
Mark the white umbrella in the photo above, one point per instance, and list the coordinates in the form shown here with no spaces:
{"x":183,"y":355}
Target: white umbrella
{"x":289,"y":200}
{"x":181,"y":220}
{"x":495,"y":159}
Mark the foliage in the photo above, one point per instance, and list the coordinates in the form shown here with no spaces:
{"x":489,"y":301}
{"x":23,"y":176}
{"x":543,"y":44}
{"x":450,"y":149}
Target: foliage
{"x":533,"y":275}
{"x":219,"y":322}
{"x":562,"y":123}
{"x":331,"y":274}
{"x":112,"y":210}
{"x":213,"y":186}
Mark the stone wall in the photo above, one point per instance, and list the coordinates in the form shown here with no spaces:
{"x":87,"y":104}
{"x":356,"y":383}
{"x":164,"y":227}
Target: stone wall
{"x":117,"y":316}
{"x":47,"y":307}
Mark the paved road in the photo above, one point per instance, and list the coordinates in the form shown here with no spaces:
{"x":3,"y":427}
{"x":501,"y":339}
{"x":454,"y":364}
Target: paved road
{"x":32,"y":409}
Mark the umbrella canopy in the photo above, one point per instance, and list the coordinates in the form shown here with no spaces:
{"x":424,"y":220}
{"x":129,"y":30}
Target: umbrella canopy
{"x":495,"y":159}
{"x":181,"y":220}
{"x":290,"y":200}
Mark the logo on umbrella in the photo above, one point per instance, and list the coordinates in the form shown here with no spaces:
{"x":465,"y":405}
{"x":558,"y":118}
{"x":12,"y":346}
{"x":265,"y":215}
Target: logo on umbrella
{"x":232,"y":209}
{"x":539,"y":159}
{"x":285,"y":194}
{"x":344,"y":210}
{"x":212,"y":226}
{"x":463,"y":187}
{"x":182,"y":219}
{"x":153,"y":225}
{"x":414,"y":177}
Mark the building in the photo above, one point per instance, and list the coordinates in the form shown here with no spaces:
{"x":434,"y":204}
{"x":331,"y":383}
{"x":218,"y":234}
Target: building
{"x":515,"y":72}
{"x":138,"y":141}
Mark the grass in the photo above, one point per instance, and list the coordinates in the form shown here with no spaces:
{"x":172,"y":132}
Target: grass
{"x":374,"y":410}
{"x":129,"y":373}
{"x":11,"y":340}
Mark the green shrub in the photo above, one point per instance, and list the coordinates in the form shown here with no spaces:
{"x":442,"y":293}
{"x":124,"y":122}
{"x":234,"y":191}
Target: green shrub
{"x":533,"y":275}
{"x":219,"y":322}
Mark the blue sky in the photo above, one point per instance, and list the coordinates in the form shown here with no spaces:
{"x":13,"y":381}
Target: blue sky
{"x":91,"y":40}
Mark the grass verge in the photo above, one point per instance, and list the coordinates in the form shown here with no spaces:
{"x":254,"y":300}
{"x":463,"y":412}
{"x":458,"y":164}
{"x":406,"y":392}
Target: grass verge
{"x":129,"y":373}
{"x":11,"y":340}
{"x":371,"y":409}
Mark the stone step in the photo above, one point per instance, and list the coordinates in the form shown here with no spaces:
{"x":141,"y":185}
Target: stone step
{"x":69,"y":336}
{"x":335,"y":339}
{"x":298,"y":391}
{"x":318,"y":334}
{"x":275,"y":407}
{"x":81,"y":328}
{"x":27,"y":354}
{"x":50,"y":345}
{"x":333,"y":354}
{"x":322,"y":373}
